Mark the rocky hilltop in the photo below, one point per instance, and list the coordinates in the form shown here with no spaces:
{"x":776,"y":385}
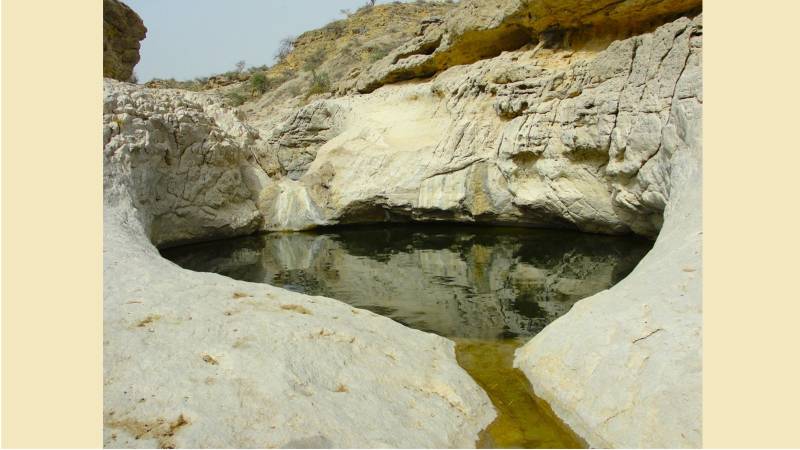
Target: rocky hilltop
{"x":122,"y":31}
{"x":544,"y":113}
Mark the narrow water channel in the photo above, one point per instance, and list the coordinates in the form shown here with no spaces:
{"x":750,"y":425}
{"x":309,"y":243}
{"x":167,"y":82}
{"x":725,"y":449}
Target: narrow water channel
{"x":487,"y":288}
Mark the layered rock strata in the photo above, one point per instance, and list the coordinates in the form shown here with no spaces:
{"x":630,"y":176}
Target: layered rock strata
{"x":480,"y":29}
{"x":553,"y":138}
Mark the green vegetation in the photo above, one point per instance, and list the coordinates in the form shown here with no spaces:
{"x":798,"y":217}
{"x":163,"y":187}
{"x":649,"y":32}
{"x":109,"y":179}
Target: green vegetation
{"x":234,"y":99}
{"x":378,"y":53}
{"x":320,"y":84}
{"x":258,"y":83}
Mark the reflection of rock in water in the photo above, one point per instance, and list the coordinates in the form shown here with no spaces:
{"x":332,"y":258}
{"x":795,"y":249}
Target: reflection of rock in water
{"x":454,"y":281}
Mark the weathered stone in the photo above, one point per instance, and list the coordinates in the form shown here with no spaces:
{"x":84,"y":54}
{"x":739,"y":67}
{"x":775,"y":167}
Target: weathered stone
{"x":480,"y":29}
{"x":187,"y":160}
{"x":122,"y":31}
{"x":623,"y":368}
{"x":200,"y":360}
{"x":568,"y":137}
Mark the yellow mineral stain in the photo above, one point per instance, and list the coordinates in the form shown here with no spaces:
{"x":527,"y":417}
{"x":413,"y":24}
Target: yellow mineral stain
{"x":523,"y":420}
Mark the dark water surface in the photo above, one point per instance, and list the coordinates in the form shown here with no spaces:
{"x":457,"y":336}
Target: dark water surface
{"x":487,"y":288}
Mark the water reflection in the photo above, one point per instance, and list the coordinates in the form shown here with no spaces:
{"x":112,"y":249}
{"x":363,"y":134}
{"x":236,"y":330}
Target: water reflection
{"x":456,"y":281}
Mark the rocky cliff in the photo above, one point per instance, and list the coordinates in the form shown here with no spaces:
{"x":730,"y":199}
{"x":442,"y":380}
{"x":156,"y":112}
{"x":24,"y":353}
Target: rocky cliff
{"x":581,"y":115}
{"x":555,"y":137}
{"x":122,"y":31}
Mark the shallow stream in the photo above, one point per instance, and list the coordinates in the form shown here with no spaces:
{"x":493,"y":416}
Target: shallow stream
{"x":487,"y":288}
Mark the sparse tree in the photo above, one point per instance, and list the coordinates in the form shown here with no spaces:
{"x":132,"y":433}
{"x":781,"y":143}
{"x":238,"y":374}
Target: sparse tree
{"x":346,"y":12}
{"x":284,"y":48}
{"x":240,"y":66}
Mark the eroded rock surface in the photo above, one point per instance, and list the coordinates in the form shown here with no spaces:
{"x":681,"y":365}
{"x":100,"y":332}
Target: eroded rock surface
{"x":187,"y":158}
{"x":480,"y":29}
{"x":556,"y":138}
{"x":122,"y":31}
{"x":624,"y":368}
{"x":200,"y":360}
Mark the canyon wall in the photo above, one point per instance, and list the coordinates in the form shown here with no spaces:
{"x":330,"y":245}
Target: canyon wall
{"x":550,"y":137}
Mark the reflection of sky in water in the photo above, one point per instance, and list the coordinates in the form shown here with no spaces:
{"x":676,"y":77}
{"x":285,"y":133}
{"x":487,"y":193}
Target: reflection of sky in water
{"x":456,"y":281}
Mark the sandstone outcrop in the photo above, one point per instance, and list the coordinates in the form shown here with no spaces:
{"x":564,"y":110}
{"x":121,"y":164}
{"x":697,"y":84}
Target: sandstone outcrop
{"x":122,"y":31}
{"x":200,"y":360}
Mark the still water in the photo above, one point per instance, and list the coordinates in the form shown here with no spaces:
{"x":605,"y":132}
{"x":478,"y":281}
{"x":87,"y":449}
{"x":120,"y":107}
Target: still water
{"x":487,"y":288}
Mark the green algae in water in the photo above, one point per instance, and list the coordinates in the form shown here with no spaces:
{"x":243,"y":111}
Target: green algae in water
{"x":523,"y":421}
{"x":488,"y":288}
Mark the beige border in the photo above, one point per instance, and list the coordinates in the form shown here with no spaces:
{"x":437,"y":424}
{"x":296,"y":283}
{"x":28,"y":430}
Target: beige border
{"x":51,"y":185}
{"x":51,"y":236}
{"x":751,"y":339}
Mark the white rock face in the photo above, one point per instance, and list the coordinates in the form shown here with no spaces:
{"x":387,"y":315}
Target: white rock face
{"x":185,"y":163}
{"x":539,"y":137}
{"x":200,"y":360}
{"x":624,"y":368}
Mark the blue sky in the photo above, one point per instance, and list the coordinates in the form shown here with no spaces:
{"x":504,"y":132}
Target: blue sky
{"x":191,"y":38}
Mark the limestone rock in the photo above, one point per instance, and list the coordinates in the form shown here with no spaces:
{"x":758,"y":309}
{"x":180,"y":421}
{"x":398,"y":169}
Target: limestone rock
{"x":624,"y":367}
{"x":558,"y":138}
{"x":187,"y":160}
{"x":122,"y":31}
{"x":479,"y":29}
{"x":200,"y":360}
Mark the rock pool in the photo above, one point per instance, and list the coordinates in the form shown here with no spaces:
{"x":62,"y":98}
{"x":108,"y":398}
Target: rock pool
{"x":487,"y":288}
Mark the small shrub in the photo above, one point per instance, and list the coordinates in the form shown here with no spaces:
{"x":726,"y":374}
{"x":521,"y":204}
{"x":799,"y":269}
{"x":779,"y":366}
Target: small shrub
{"x":314,"y":61}
{"x":320,"y":84}
{"x":258,"y":83}
{"x":234,"y":99}
{"x":336,"y":28}
{"x":378,"y":53}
